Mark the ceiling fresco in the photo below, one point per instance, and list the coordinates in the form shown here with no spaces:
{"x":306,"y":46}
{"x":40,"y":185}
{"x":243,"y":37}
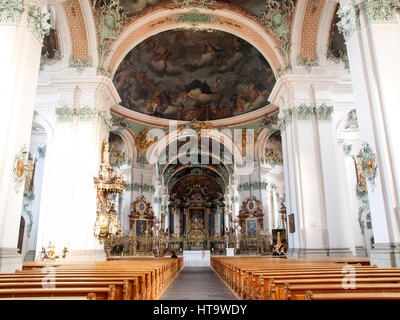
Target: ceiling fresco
{"x":186,"y":75}
{"x":134,"y":7}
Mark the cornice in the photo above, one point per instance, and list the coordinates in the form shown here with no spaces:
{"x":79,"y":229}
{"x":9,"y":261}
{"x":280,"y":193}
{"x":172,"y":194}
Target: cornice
{"x":227,"y":122}
{"x":326,"y":81}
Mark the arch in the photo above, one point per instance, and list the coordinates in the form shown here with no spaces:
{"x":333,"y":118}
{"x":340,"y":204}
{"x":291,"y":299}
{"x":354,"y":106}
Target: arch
{"x":46,"y":125}
{"x":169,"y":137}
{"x":310,"y":28}
{"x":77,"y":30}
{"x":296,"y":30}
{"x":324,"y":29}
{"x":161,"y":122}
{"x":225,"y":20}
{"x":63,"y":35}
{"x":207,"y":166}
{"x":91,"y":31}
{"x":186,"y":166}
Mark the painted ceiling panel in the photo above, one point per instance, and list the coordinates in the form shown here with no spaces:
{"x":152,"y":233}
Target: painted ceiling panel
{"x":187,"y":75}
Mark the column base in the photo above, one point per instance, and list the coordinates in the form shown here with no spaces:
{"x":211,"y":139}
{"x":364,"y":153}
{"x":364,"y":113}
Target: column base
{"x":298,"y":253}
{"x":10,"y":260}
{"x":86,"y":255}
{"x":30,"y":255}
{"x":386,"y":255}
{"x":361,"y":252}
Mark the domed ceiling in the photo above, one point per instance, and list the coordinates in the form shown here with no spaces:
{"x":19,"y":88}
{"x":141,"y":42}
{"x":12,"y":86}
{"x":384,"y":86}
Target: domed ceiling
{"x":187,"y":74}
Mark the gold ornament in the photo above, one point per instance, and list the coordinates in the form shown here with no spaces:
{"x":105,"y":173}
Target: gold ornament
{"x":142,"y":144}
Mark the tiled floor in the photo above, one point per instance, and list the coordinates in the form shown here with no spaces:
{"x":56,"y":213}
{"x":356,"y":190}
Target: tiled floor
{"x":197,"y":283}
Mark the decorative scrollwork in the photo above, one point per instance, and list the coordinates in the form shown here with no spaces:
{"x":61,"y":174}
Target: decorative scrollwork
{"x":11,"y":10}
{"x":37,"y":22}
{"x":277,"y":17}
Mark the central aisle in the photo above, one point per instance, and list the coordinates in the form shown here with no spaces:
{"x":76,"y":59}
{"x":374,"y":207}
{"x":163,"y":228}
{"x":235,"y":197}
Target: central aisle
{"x":198,"y":283}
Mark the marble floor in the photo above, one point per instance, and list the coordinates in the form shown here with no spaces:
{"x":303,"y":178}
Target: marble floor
{"x":197,"y":283}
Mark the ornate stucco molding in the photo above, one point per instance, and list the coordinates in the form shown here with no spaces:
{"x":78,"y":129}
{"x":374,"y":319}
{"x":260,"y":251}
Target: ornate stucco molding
{"x":270,"y":122}
{"x":369,"y":165}
{"x":140,"y":187}
{"x":353,"y":114}
{"x":303,"y":112}
{"x":194,"y":3}
{"x":85,"y":113}
{"x":324,"y":112}
{"x":27,"y":209}
{"x":381,"y":10}
{"x":46,"y":61}
{"x":195,"y":17}
{"x":276,"y":18}
{"x":254,"y":186}
{"x":284,"y":118}
{"x":110,"y":18}
{"x":10,"y":11}
{"x":19,"y":168}
{"x":347,"y":149}
{"x":342,"y":58}
{"x":307,"y":63}
{"x":105,"y":119}
{"x":37,"y":22}
{"x":79,"y":64}
{"x":64,"y":113}
{"x":349,"y":20}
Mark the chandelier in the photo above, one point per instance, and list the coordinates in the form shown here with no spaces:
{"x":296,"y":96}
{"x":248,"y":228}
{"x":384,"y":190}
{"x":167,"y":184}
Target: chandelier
{"x":107,"y":184}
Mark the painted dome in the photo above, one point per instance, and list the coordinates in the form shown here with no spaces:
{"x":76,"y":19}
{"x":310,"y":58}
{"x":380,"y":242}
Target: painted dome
{"x":192,"y":74}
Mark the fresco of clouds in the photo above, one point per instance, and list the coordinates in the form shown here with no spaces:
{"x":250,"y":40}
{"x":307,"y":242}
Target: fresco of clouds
{"x":185,"y":75}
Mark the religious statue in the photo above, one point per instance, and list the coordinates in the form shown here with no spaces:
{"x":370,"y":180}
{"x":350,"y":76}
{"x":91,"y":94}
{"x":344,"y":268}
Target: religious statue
{"x":105,"y":153}
{"x":361,"y":179}
{"x":29,"y":176}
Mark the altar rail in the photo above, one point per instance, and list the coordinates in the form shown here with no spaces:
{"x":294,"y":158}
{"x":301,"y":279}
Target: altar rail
{"x":164,"y":246}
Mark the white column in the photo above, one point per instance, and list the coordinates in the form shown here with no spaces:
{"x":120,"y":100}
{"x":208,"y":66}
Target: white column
{"x":310,"y":166}
{"x":21,"y":37}
{"x":275,"y":210}
{"x":68,"y":208}
{"x":373,"y":45}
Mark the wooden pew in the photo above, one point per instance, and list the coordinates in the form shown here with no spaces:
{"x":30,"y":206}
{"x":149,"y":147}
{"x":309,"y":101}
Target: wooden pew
{"x":142,"y":278}
{"x":298,"y":292}
{"x":265,"y":278}
{"x":352,"y":296}
{"x":278,"y":291}
{"x":104,"y":293}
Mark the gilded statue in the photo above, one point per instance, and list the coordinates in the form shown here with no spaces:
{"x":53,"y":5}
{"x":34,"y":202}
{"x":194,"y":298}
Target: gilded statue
{"x":119,"y":157}
{"x":142,"y":144}
{"x":361,"y":179}
{"x":273,"y":157}
{"x":29,"y":176}
{"x":197,"y":126}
